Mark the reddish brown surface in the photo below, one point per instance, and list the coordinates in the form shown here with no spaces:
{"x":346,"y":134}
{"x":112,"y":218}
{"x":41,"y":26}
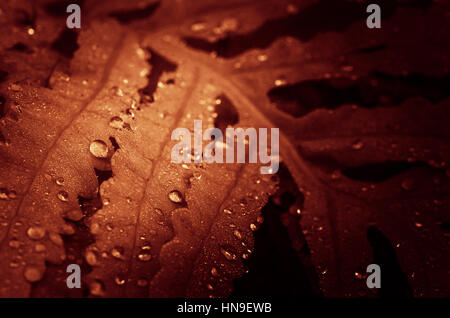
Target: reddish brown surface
{"x":364,"y":127}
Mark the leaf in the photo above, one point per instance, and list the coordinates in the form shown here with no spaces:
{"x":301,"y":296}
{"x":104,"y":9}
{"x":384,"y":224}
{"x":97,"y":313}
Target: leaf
{"x":74,"y":131}
{"x":375,"y":163}
{"x":363,"y":120}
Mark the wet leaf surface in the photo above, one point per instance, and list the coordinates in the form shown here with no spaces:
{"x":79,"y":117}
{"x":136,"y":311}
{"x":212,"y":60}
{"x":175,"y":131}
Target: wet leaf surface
{"x":86,"y":175}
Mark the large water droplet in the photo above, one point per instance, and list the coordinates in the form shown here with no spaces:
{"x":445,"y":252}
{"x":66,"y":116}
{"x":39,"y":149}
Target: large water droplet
{"x":175,"y":196}
{"x":36,"y":232}
{"x":99,"y":149}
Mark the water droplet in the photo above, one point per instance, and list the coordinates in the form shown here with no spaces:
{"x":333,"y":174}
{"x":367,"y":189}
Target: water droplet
{"x":210,"y":287}
{"x":237,"y":234}
{"x":253,"y":227}
{"x":14,"y":264}
{"x":227,"y":211}
{"x":280,"y":81}
{"x":142,"y":282}
{"x":74,"y":215}
{"x":408,"y":184}
{"x":36,"y":232}
{"x":99,"y":149}
{"x":56,"y":239}
{"x":59,"y":181}
{"x":3,"y":194}
{"x":228,"y":255}
{"x":418,"y":224}
{"x":119,"y":280}
{"x":214,"y":272}
{"x":357,"y":145}
{"x":40,"y":248}
{"x":14,"y":244}
{"x":144,"y":256}
{"x":175,"y":196}
{"x":245,"y":256}
{"x":117,"y":252}
{"x":91,"y":258}
{"x":105,"y":201}
{"x":63,"y":196}
{"x":116,"y":122}
{"x":262,"y":57}
{"x":97,"y":288}
{"x":33,"y":274}
{"x":199,"y":26}
{"x":260,"y":219}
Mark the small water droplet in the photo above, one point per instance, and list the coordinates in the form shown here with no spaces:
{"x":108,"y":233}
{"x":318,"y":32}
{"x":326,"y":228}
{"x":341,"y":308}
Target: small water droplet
{"x":199,"y":26}
{"x":245,"y":256}
{"x":99,"y":149}
{"x":12,"y":195}
{"x":262,"y":57}
{"x":228,"y":255}
{"x":144,"y":256}
{"x":14,"y":244}
{"x":116,"y":122}
{"x":214,"y":272}
{"x":56,"y":239}
{"x":96,"y":288}
{"x":74,"y":215}
{"x":357,"y":145}
{"x":119,"y":280}
{"x":210,"y":287}
{"x":117,"y":252}
{"x":3,"y":194}
{"x":280,"y":81}
{"x":227,"y":211}
{"x":408,"y":184}
{"x":105,"y":201}
{"x":143,"y":282}
{"x":253,"y":227}
{"x":175,"y":196}
{"x":59,"y":181}
{"x":91,"y":258}
{"x":237,"y":234}
{"x":14,"y":264}
{"x":36,"y":232}
{"x":33,"y":274}
{"x":40,"y":248}
{"x":63,"y":196}
{"x":418,"y":224}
